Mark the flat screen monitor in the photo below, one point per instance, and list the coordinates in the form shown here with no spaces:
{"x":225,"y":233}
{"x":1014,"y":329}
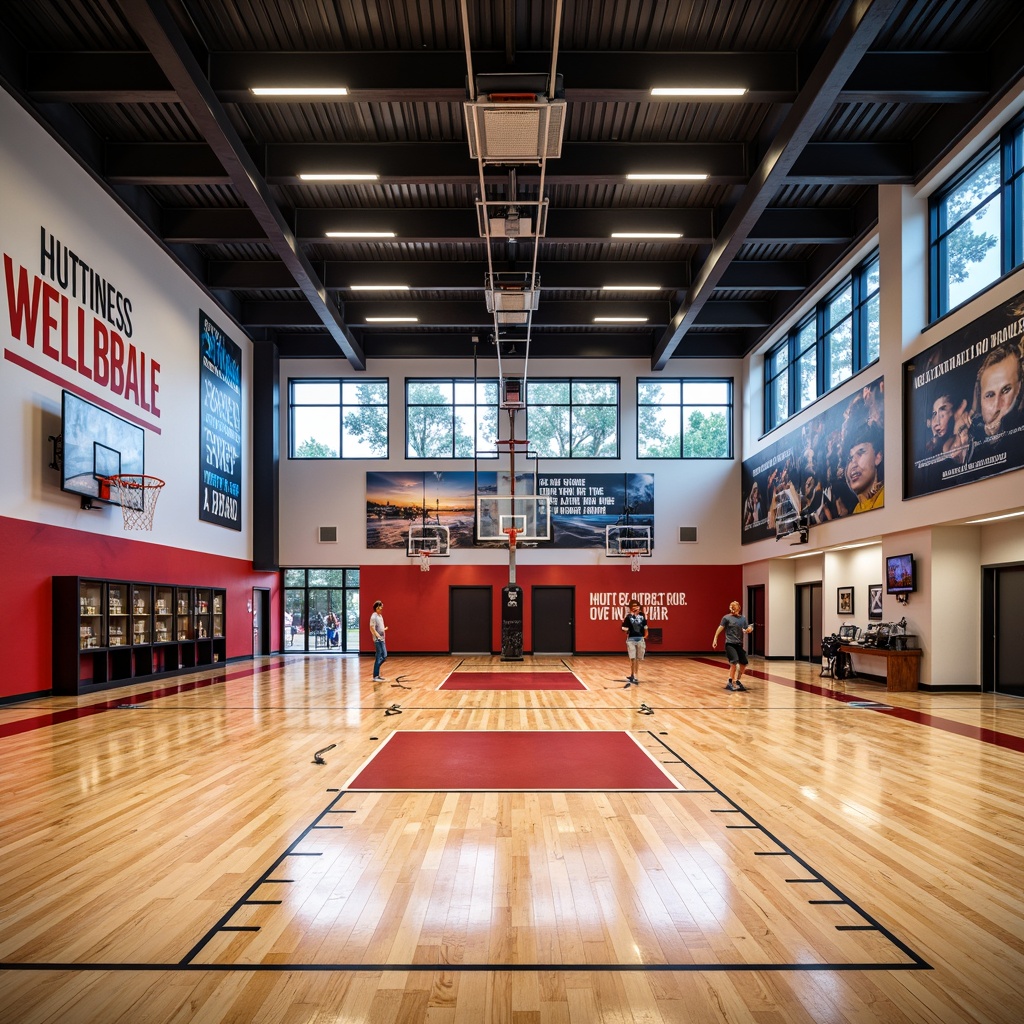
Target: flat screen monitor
{"x":96,"y":445}
{"x":847,"y":633}
{"x":899,"y":574}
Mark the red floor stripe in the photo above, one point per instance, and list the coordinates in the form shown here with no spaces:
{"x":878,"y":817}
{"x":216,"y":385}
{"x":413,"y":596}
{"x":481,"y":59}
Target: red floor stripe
{"x":72,"y":714}
{"x":973,"y":732}
{"x":512,"y":681}
{"x":516,"y":761}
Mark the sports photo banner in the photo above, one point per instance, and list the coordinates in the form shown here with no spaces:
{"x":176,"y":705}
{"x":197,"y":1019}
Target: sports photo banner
{"x":963,"y":404}
{"x":220,"y":426}
{"x":582,"y":504}
{"x":832,"y":467}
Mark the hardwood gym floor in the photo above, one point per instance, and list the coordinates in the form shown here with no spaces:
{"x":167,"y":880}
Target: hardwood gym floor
{"x":173,"y":853}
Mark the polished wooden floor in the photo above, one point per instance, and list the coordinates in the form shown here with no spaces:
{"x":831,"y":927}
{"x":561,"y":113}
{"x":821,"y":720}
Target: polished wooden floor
{"x":172,"y":852}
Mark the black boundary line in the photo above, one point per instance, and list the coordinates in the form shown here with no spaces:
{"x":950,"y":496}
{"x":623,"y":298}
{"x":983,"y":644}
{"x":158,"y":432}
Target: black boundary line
{"x":919,"y":963}
{"x":187,"y":962}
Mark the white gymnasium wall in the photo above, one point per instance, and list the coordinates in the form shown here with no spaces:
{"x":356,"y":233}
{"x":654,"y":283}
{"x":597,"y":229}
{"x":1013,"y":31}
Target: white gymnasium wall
{"x":331,"y":493}
{"x":44,"y":188}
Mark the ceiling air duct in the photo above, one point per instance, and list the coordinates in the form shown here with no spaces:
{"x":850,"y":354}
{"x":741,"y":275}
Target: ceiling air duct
{"x":513,"y":121}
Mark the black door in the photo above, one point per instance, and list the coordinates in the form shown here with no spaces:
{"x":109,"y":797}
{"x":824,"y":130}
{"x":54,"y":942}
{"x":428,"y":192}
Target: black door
{"x":808,"y":622}
{"x":470,"y":618}
{"x":755,"y":614}
{"x":553,"y":626}
{"x":1003,"y":639}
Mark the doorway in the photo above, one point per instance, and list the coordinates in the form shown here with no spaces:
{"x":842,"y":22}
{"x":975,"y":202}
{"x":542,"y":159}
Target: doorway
{"x":469,"y":620}
{"x":553,"y":625}
{"x":755,"y":615}
{"x":260,"y":622}
{"x":808,"y":622}
{"x":1002,"y":668}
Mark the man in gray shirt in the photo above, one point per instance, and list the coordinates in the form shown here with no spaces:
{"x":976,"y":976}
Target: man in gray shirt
{"x":734,"y":625}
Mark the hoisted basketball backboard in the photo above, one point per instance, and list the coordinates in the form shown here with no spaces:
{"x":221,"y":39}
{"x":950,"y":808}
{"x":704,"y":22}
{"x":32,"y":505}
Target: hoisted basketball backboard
{"x":528,"y":514}
{"x":428,"y":538}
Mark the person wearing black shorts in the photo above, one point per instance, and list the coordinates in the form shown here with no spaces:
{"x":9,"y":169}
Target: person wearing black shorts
{"x":734,"y":625}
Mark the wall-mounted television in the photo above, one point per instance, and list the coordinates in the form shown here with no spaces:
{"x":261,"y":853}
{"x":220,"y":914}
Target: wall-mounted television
{"x":96,"y":445}
{"x":900,"y":577}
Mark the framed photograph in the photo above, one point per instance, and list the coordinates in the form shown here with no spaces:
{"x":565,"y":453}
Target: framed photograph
{"x":875,"y":601}
{"x":844,"y":600}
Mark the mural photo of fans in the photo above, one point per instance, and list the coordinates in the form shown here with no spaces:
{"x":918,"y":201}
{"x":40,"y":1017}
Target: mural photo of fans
{"x":832,"y":467}
{"x":964,"y":404}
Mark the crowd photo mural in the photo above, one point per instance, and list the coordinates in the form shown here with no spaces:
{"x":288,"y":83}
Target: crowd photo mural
{"x":964,"y":404}
{"x":832,"y":467}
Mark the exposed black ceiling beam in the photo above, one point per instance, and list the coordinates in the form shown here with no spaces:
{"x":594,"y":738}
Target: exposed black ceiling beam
{"x":155,"y":25}
{"x":244,"y":275}
{"x":766,"y":275}
{"x":395,"y":77}
{"x":854,"y":163}
{"x":848,"y":44}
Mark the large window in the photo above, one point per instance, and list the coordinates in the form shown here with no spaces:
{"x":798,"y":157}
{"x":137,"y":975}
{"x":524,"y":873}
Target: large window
{"x":449,"y":418}
{"x":835,"y":341}
{"x":684,"y":418}
{"x":573,"y":418}
{"x":338,"y":419}
{"x":321,"y":610}
{"x":966,"y":227}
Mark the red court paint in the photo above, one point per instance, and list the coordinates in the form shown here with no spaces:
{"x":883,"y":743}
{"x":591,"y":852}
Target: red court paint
{"x":516,"y":761}
{"x":511,"y":681}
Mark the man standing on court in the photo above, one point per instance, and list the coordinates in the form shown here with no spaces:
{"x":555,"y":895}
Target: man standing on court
{"x":377,"y":630}
{"x":634,"y":625}
{"x":735,"y":625}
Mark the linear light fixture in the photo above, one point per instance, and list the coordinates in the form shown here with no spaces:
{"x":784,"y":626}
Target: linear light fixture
{"x":992,"y":519}
{"x":631,"y":287}
{"x":392,"y":319}
{"x":685,"y":90}
{"x":666,"y":177}
{"x":339,"y":177}
{"x":360,"y":234}
{"x":647,"y":234}
{"x":299,"y":90}
{"x":620,"y":319}
{"x":379,"y":287}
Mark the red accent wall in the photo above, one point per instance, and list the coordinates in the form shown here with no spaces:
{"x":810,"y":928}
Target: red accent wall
{"x":416,"y":603}
{"x":33,"y":553}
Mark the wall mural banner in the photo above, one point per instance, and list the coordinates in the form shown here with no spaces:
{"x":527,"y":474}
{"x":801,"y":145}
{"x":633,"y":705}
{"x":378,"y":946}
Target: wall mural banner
{"x":832,"y":467}
{"x":582,"y":504}
{"x":963,"y":404}
{"x":220,"y":426}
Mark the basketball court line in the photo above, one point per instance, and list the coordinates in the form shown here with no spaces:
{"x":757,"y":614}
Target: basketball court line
{"x":973,"y":732}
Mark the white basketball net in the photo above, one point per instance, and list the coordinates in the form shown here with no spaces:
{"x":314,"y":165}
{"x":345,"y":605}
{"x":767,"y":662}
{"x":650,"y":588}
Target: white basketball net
{"x":138,"y":494}
{"x":424,"y":561}
{"x":634,"y":562}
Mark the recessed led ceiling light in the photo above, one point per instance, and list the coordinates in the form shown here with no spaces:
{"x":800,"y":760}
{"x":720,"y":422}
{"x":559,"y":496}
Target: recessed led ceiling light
{"x":380,"y":287}
{"x":392,"y":319}
{"x":631,"y":287}
{"x":992,"y":519}
{"x":620,"y":319}
{"x":688,"y":91}
{"x":647,"y":234}
{"x":666,"y":177}
{"x":339,"y":177}
{"x":288,"y":90}
{"x":360,"y":234}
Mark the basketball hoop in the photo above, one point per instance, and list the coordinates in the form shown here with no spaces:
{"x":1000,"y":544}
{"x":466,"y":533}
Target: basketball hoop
{"x":634,"y":562}
{"x":511,"y":532}
{"x":138,"y":494}
{"x":424,"y":560}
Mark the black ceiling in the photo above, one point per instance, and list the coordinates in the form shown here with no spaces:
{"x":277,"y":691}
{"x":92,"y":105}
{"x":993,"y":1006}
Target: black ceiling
{"x":153,"y":96}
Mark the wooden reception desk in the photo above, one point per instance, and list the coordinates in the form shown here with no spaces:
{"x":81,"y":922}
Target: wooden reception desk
{"x":902,"y":668}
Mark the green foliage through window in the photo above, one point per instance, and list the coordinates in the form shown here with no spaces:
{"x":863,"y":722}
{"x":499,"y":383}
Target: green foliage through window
{"x":331,"y":418}
{"x":684,"y":418}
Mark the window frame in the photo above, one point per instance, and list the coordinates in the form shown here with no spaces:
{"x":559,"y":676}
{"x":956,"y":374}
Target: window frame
{"x":616,"y":382}
{"x":862,"y":295}
{"x":454,"y":405}
{"x":683,"y":405}
{"x":341,"y":406}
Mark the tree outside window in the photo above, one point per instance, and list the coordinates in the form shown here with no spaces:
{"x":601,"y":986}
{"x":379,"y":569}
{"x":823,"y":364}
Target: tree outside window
{"x":689,"y":418}
{"x":573,"y":418}
{"x":338,"y":418}
{"x":448,"y":418}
